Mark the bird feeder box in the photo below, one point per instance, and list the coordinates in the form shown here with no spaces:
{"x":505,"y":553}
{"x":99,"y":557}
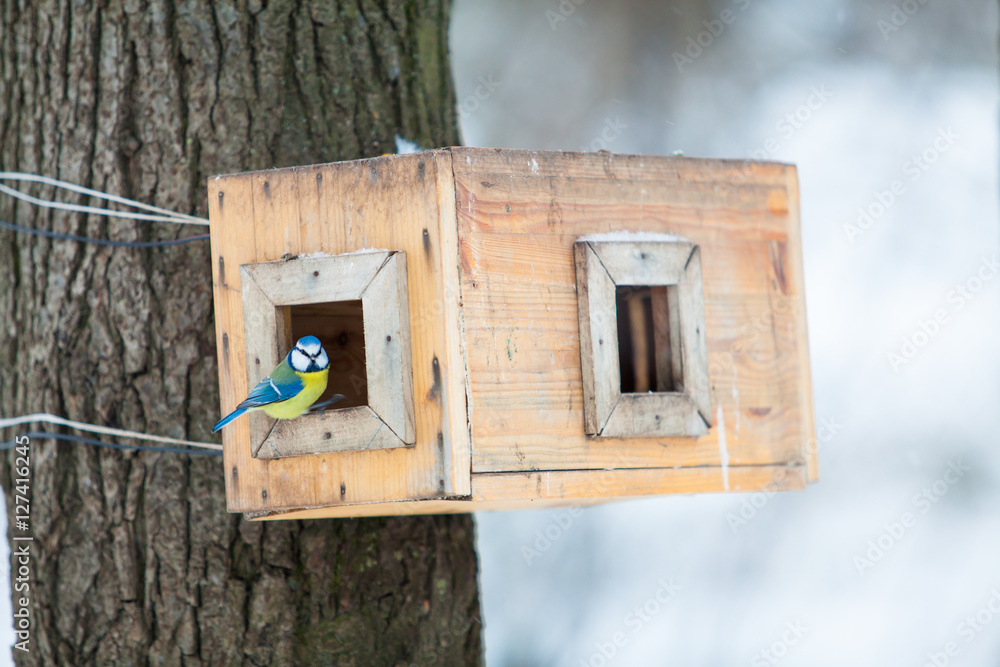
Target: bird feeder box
{"x":514,"y":329}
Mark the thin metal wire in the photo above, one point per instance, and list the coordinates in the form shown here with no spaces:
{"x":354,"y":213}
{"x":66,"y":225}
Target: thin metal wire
{"x":164,"y":215}
{"x":45,"y":418}
{"x":102,"y":242}
{"x":111,"y":445}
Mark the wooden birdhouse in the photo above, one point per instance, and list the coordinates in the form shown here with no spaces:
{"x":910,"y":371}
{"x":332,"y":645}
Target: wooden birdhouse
{"x":514,"y":329}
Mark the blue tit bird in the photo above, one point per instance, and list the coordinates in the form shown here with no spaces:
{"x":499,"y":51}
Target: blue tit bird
{"x":291,"y":388}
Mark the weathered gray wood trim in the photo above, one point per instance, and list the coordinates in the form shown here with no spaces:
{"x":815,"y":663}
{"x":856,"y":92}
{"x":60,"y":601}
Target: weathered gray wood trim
{"x":378,"y":279}
{"x":600,"y":268}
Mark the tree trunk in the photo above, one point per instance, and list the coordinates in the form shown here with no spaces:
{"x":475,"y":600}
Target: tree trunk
{"x":135,"y":559}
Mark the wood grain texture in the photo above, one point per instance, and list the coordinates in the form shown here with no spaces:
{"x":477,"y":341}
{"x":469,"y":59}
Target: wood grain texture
{"x":598,"y":339}
{"x":496,"y":324}
{"x":519,"y":214}
{"x":687,"y":410}
{"x":311,"y":280}
{"x":654,"y":415}
{"x":265,"y":345}
{"x":793,"y":262}
{"x":690,"y":314}
{"x":378,"y":280}
{"x":636,"y":263}
{"x":387,"y":348}
{"x":552,"y":489}
{"x":402,"y":204}
{"x":666,"y":337}
{"x":346,"y":430}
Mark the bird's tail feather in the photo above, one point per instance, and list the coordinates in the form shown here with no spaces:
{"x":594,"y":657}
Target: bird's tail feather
{"x":228,"y":418}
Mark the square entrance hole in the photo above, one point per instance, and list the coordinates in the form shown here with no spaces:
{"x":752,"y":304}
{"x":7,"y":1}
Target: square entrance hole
{"x":648,"y":338}
{"x":340,"y":327}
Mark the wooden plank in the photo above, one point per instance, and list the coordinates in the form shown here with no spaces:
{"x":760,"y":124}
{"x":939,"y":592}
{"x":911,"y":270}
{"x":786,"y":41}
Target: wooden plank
{"x":276,"y":203}
{"x":516,"y":231}
{"x":585,"y":484}
{"x":676,"y":362}
{"x":637,"y":263}
{"x":693,"y":345}
{"x":264,"y":338}
{"x":347,"y":430}
{"x":548,"y":490}
{"x":793,"y":289}
{"x":317,"y":279}
{"x":663,"y":348}
{"x":230,"y":206}
{"x":387,"y":348}
{"x":585,"y":194}
{"x":618,"y":171}
{"x":654,"y":415}
{"x":455,"y":444}
{"x":598,"y":324}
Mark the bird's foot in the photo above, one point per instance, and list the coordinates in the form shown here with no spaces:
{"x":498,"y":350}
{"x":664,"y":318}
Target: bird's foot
{"x":322,"y":406}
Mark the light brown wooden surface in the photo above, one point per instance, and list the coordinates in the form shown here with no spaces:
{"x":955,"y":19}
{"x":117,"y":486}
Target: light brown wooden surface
{"x":598,"y":339}
{"x":494,"y":324}
{"x":310,"y":280}
{"x":796,"y":274}
{"x":378,"y":279}
{"x":387,"y":345}
{"x":265,"y":344}
{"x":400,"y":203}
{"x":334,"y":431}
{"x":609,"y":411}
{"x":546,"y":490}
{"x":693,"y":346}
{"x":643,"y":263}
{"x":519,"y":213}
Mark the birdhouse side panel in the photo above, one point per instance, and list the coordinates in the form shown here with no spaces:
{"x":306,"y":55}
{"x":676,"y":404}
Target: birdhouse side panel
{"x":519,"y":214}
{"x":402,"y":203}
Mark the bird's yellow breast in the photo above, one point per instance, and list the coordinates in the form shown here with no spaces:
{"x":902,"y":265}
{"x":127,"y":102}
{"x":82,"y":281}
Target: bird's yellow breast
{"x":313,"y":386}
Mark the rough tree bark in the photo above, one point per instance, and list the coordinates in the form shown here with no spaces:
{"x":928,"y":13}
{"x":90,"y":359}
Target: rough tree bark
{"x":134,"y":559}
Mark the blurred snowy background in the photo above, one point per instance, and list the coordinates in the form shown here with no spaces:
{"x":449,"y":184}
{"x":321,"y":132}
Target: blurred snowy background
{"x":857,"y":95}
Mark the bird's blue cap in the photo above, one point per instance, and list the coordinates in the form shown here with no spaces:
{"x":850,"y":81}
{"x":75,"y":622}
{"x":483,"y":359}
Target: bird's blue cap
{"x":308,"y":341}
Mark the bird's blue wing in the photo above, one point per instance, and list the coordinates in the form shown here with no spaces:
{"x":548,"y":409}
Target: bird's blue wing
{"x":270,"y":391}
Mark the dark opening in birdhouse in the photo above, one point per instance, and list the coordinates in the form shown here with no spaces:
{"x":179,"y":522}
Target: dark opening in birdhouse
{"x":645,"y":334}
{"x":340,"y":326}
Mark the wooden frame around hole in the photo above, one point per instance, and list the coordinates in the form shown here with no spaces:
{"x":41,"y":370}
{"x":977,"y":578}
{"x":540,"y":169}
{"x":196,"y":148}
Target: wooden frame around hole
{"x":378,"y":280}
{"x":601,"y":266}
